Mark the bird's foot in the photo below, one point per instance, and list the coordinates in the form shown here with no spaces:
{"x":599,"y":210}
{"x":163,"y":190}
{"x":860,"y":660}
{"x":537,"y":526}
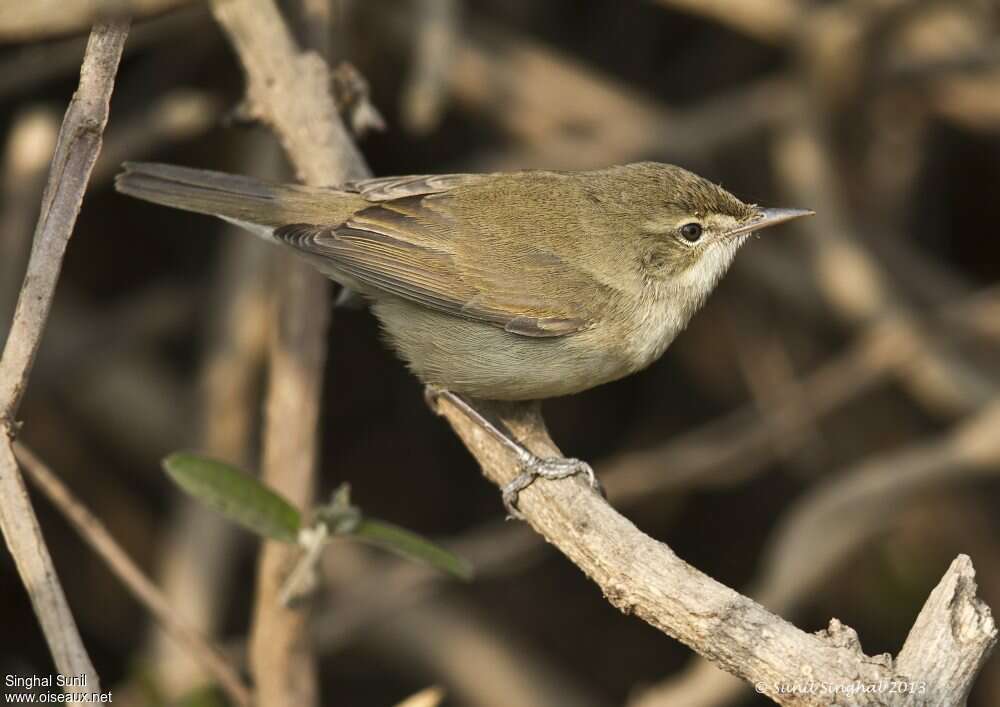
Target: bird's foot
{"x":433,"y":393}
{"x":551,"y":468}
{"x":531,"y":465}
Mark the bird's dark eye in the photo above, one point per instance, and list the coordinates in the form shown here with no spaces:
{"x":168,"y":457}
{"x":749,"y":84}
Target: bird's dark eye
{"x":691,"y":231}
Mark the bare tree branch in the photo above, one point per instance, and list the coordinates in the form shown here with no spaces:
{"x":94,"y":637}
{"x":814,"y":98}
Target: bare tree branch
{"x":289,"y":90}
{"x":644,"y":577}
{"x":76,"y":151}
{"x":954,"y":634}
{"x":93,"y":532}
{"x":426,"y":92}
{"x":27,"y":152}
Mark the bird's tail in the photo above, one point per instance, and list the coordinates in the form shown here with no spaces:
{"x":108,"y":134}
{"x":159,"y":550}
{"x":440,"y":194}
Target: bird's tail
{"x":234,"y":197}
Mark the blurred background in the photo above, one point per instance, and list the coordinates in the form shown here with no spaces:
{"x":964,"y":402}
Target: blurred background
{"x":825,"y":436}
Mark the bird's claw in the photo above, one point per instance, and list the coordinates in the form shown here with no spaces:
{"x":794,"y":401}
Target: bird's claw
{"x":551,"y":468}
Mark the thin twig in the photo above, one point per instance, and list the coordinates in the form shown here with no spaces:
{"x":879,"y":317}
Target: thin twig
{"x":76,"y":151}
{"x":77,"y":147}
{"x":96,"y":535}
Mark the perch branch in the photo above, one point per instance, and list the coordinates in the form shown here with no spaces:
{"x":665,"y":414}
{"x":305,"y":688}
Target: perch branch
{"x":835,"y":519}
{"x":725,"y":451}
{"x":76,"y":151}
{"x":644,"y":577}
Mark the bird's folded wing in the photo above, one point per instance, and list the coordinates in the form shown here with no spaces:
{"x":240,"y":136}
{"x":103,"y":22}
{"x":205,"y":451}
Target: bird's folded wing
{"x":388,"y":188}
{"x":412,"y":247}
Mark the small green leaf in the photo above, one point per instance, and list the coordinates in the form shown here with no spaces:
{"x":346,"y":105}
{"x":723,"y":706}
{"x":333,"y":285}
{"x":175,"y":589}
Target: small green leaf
{"x":235,"y":494}
{"x":209,"y":696}
{"x":410,"y":545}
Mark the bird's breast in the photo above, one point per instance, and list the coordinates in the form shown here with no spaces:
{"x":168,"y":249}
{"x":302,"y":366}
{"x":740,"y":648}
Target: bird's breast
{"x":653,"y":322}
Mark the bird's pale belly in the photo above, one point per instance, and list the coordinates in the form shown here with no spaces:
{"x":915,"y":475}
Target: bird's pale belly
{"x":484,"y":361}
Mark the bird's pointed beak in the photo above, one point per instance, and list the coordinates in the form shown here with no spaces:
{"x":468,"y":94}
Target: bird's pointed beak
{"x":765,"y":218}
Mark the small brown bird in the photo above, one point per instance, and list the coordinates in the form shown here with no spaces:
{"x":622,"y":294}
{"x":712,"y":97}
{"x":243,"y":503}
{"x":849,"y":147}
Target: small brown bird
{"x":516,"y":286}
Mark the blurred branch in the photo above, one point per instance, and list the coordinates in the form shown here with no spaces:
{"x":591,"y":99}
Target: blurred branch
{"x":26,"y":155}
{"x":982,"y":315}
{"x":93,"y":532}
{"x":482,"y":665}
{"x":428,"y":697}
{"x":181,"y":114}
{"x":76,"y":151}
{"x":27,"y":66}
{"x":20,"y":21}
{"x":289,"y":90}
{"x":569,"y":116}
{"x":972,"y":101}
{"x":766,"y":366}
{"x":737,"y":445}
{"x":426,"y":91}
{"x":836,"y":517}
{"x":700,"y":684}
{"x":857,"y":287}
{"x":642,"y":576}
{"x":766,"y":20}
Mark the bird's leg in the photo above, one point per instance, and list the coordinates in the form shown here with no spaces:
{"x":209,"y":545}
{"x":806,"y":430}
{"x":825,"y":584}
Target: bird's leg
{"x":531,"y":465}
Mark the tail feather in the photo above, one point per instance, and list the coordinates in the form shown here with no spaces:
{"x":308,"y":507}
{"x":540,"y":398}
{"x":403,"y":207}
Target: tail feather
{"x":235,"y":197}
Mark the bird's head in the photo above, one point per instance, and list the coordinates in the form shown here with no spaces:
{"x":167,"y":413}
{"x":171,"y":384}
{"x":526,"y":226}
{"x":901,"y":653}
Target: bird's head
{"x":689,"y":228}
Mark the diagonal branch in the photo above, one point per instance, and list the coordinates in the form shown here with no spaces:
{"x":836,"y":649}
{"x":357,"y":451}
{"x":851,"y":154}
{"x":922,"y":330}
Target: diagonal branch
{"x":642,"y":576}
{"x":77,"y":147}
{"x":95,"y":534}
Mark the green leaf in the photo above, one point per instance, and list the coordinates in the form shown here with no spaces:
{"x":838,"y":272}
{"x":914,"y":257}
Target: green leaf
{"x":235,"y":494}
{"x":209,"y":696}
{"x":410,"y":545}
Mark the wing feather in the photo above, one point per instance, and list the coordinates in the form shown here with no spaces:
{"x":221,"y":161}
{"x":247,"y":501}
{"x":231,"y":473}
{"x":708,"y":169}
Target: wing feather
{"x":389,"y":188}
{"x":412,"y":246}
